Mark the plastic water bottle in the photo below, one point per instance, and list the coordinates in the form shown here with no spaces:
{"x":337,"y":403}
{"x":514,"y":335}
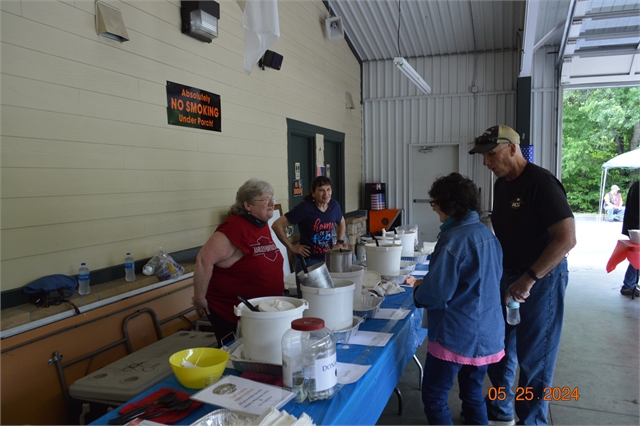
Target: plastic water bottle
{"x":154,"y":264}
{"x":129,"y":268}
{"x":83,"y":279}
{"x":513,"y":312}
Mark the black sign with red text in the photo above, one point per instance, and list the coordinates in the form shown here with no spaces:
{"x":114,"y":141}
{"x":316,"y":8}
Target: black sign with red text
{"x":191,"y":107}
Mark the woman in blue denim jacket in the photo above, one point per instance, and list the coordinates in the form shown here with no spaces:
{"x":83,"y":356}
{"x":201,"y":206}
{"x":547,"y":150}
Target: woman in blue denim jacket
{"x":461,"y":294}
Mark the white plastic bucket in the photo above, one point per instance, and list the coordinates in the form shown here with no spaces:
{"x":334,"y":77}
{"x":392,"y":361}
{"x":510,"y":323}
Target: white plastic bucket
{"x":384,"y":259}
{"x":410,"y":228}
{"x":333,"y":305}
{"x":262,"y":331}
{"x":356,"y":274}
{"x":408,"y":242}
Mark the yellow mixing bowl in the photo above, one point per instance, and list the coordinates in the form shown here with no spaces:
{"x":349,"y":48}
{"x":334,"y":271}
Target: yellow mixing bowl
{"x":207,"y":361}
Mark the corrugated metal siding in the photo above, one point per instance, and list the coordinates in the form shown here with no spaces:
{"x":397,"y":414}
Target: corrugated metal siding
{"x":394,"y":116}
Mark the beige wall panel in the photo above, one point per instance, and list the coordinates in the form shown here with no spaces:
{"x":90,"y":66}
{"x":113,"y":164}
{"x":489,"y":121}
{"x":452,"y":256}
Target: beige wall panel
{"x":198,"y":180}
{"x":33,"y":94}
{"x":58,"y":15}
{"x":53,"y":69}
{"x":52,"y":210}
{"x":58,"y":126}
{"x":14,"y":7}
{"x":55,"y":182}
{"x":19,"y":272}
{"x":42,"y":153}
{"x":36,"y":240}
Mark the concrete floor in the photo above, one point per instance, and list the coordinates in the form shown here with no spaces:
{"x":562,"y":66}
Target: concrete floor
{"x":600,"y":347}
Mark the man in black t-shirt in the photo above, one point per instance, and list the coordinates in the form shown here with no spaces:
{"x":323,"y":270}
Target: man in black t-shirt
{"x":535,"y":226}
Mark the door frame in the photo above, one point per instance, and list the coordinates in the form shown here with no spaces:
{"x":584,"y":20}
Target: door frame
{"x":295,"y":127}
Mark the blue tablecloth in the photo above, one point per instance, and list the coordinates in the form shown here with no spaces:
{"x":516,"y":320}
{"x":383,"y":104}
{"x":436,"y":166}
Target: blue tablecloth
{"x":358,"y":403}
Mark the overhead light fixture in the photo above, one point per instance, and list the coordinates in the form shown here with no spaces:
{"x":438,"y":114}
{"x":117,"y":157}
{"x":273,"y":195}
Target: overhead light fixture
{"x":109,"y":22}
{"x":411,"y":74}
{"x":200,"y":19}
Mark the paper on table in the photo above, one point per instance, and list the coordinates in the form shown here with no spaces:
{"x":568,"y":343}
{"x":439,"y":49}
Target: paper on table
{"x":370,"y":338}
{"x":391,"y":314}
{"x":246,"y":396}
{"x":350,"y":373}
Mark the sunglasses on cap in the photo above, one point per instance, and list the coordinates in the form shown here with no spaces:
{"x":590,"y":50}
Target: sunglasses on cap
{"x":490,"y":140}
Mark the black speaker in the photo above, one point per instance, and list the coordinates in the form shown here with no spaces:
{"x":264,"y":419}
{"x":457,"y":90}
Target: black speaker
{"x":271,"y":59}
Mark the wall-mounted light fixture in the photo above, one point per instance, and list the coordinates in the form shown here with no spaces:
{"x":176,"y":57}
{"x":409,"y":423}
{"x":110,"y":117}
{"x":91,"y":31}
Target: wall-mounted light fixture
{"x":411,"y":74}
{"x":200,"y":19}
{"x":109,"y":22}
{"x":271,"y":59}
{"x":335,"y":30}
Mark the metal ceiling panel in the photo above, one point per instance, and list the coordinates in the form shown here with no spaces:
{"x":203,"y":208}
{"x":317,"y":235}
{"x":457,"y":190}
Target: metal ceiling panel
{"x":383,"y":29}
{"x":578,"y":29}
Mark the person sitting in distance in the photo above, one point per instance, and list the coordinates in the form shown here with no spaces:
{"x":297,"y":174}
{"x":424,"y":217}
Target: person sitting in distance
{"x":613,"y":204}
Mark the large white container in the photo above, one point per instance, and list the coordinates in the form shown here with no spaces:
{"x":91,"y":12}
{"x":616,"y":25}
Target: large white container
{"x":384,"y":259}
{"x":262,"y":331}
{"x":333,"y":305}
{"x":407,"y":239}
{"x":356,"y":274}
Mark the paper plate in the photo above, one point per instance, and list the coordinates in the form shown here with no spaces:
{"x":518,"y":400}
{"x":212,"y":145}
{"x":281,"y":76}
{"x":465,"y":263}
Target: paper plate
{"x":371,"y":279}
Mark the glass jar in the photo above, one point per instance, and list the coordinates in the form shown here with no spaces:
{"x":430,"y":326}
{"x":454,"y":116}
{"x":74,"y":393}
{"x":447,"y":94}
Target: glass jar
{"x":309,"y":360}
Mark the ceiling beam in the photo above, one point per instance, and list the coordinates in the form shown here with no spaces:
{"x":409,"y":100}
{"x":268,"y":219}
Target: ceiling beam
{"x":529,"y":37}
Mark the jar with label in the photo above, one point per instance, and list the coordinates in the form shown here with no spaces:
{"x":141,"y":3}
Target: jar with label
{"x":309,"y":360}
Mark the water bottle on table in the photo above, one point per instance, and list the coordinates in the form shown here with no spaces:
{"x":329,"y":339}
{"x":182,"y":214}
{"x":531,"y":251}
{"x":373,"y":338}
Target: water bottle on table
{"x":129,"y":268}
{"x":83,"y":279}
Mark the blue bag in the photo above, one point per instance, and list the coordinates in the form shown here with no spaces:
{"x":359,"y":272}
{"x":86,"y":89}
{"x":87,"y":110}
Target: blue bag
{"x":52,"y":290}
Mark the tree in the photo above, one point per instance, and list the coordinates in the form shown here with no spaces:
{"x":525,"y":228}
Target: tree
{"x":598,"y":125}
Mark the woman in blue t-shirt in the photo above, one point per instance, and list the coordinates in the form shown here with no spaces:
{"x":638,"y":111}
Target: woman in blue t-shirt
{"x":318,"y":218}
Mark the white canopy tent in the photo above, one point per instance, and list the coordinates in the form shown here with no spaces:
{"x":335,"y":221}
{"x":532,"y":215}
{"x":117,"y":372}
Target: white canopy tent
{"x":628,"y":160}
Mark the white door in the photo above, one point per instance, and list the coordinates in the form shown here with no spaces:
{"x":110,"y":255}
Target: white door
{"x":427,"y":164}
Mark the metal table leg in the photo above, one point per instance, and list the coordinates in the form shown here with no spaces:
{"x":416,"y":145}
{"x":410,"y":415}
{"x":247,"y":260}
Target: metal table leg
{"x":415,"y":358}
{"x":397,"y":392}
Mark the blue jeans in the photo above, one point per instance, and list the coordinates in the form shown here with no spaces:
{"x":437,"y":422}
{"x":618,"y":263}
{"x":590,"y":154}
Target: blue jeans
{"x":438,"y":381}
{"x":614,"y":212}
{"x":630,"y":277}
{"x":533,"y":344}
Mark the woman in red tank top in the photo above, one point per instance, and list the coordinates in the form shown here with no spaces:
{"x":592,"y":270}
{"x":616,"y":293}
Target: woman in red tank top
{"x":239,"y":259}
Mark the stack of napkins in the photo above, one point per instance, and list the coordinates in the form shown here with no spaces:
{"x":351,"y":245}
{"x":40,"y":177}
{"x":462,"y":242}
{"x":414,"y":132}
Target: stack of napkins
{"x":386,"y":288}
{"x":274,"y":417}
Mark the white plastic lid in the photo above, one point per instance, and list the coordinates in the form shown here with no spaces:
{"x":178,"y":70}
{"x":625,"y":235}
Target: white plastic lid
{"x":275,"y":305}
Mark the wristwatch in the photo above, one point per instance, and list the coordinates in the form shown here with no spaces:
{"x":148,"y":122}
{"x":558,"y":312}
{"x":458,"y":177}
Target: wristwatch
{"x":340,"y":241}
{"x":532,"y":275}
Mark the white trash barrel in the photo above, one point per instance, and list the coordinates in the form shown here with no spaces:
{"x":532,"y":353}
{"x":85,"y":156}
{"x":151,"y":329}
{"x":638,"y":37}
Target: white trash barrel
{"x":384,"y":259}
{"x":262,"y":331}
{"x":356,"y":274}
{"x":333,"y":305}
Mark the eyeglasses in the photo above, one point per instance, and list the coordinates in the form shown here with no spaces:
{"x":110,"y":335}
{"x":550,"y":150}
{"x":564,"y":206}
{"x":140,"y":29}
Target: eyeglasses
{"x":433,"y":203}
{"x":267,"y":200}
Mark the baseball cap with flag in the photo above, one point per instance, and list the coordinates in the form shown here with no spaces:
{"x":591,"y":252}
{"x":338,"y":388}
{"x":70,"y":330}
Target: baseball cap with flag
{"x":492,"y":137}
